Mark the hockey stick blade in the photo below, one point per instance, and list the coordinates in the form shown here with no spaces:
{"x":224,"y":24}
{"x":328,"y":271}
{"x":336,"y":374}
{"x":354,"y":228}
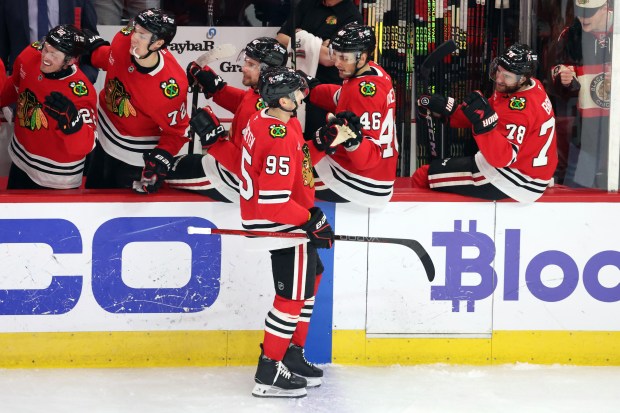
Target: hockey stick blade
{"x":412,"y":244}
{"x":221,"y":51}
{"x":436,"y":56}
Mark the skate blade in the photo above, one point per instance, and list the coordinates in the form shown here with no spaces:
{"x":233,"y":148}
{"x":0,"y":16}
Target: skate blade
{"x":313,"y":381}
{"x":265,"y":390}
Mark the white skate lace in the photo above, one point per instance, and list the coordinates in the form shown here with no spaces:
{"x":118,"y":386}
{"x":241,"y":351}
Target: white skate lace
{"x":303,"y":357}
{"x":283,"y":371}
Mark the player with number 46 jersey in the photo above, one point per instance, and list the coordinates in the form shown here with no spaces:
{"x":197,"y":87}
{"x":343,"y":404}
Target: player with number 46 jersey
{"x":514,"y":130}
{"x":361,"y":170}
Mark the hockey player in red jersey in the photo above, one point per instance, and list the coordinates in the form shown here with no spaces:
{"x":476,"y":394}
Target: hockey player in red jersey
{"x":277,"y":194}
{"x":55,"y":113}
{"x":361,"y":170}
{"x":514,"y":130}
{"x":142,"y":107}
{"x":214,"y":174}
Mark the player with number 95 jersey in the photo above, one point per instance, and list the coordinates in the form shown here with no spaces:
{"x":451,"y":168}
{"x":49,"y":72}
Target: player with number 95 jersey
{"x":360,"y":170}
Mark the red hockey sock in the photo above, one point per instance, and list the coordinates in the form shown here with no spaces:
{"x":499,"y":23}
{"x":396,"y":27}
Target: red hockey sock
{"x":420,"y":177}
{"x":280,"y":325}
{"x":301,"y":332}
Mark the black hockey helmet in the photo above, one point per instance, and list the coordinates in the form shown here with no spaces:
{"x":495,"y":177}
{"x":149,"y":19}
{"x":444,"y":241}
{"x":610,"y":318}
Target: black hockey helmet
{"x":68,"y":39}
{"x":277,"y":82}
{"x":517,"y":59}
{"x":159,"y":23}
{"x":354,"y":37}
{"x":266,"y":50}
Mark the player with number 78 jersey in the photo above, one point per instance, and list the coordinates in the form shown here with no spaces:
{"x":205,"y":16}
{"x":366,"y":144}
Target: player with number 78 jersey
{"x":514,"y":130}
{"x":360,"y":171}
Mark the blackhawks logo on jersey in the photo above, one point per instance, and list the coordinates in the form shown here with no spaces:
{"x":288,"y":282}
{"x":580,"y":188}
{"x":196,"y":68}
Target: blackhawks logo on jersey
{"x":79,"y":88}
{"x":306,"y":167}
{"x":517,"y":103}
{"x":118,"y":100}
{"x":30,"y":111}
{"x":170,"y":88}
{"x":260,"y":104}
{"x":277,"y":131}
{"x":368,"y":89}
{"x":600,"y":90}
{"x":126,"y":31}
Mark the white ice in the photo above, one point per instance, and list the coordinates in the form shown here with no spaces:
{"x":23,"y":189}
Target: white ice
{"x":427,"y":388}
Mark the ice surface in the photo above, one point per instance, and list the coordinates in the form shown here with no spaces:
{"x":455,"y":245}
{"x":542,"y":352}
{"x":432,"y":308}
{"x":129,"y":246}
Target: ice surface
{"x":426,"y":388}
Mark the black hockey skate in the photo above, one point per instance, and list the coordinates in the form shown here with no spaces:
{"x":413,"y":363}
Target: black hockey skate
{"x":273,"y":379}
{"x":296,"y":362}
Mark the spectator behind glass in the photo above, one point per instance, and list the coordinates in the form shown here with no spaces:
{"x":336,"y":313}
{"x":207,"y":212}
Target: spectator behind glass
{"x":114,"y":12}
{"x":19,"y":25}
{"x":582,"y":69}
{"x":321,"y":18}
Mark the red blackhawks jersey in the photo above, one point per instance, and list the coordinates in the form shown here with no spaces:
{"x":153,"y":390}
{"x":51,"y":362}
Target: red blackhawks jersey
{"x":139,"y":111}
{"x":365,"y":175}
{"x":519,"y":155}
{"x":277,"y":187}
{"x":243,"y":104}
{"x":222,"y":161}
{"x":48,"y":156}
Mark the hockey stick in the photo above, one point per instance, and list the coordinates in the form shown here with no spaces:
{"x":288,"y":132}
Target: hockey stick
{"x":293,"y":37}
{"x":412,"y":244}
{"x":432,"y":60}
{"x":220,"y":52}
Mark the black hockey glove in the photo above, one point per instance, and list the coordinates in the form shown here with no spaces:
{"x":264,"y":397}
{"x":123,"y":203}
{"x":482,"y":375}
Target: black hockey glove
{"x":479,"y":112}
{"x":325,"y":135}
{"x":207,"y":126}
{"x":318,"y":229}
{"x":439,"y":104}
{"x":93,"y":41}
{"x":59,"y":107}
{"x":206,"y":78}
{"x":353,"y":122}
{"x":157,"y":163}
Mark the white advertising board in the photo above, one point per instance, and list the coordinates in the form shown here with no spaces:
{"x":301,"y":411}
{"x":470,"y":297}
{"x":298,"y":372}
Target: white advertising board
{"x":67,"y":267}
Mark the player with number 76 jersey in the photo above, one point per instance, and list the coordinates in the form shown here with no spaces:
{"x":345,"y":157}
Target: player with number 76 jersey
{"x":361,"y":171}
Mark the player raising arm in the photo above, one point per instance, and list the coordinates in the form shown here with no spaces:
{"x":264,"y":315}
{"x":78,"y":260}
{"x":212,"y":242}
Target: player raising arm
{"x":361,"y":170}
{"x":214,"y":174}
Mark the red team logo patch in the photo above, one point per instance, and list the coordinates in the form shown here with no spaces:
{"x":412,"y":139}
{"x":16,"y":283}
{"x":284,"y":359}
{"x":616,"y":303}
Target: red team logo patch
{"x":277,"y":131}
{"x":30,"y":112}
{"x":517,"y":103}
{"x":170,"y":88}
{"x":368,"y":89}
{"x":79,"y":88}
{"x":260,"y":104}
